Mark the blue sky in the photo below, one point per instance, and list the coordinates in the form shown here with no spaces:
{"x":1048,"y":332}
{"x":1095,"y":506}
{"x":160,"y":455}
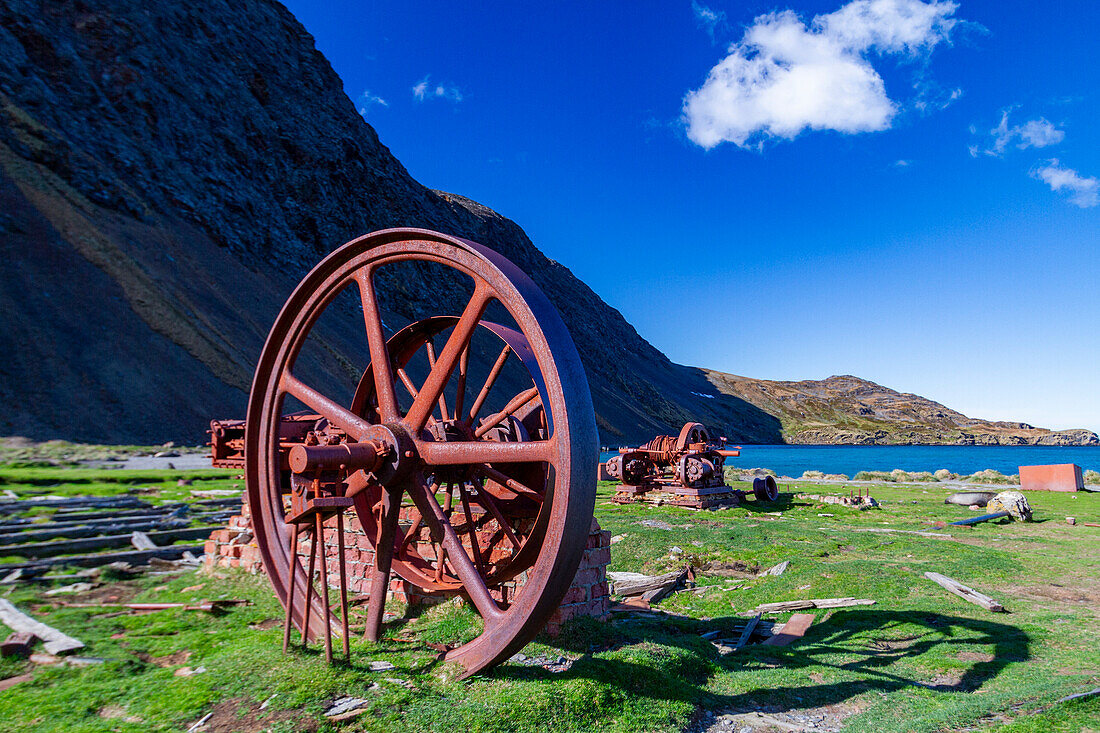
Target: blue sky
{"x":901,"y":190}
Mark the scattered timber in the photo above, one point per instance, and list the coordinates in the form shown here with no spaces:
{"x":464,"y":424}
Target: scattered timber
{"x":52,"y":549}
{"x":55,"y":641}
{"x":812,"y":603}
{"x":137,"y":557}
{"x":795,"y":628}
{"x":966,"y":593}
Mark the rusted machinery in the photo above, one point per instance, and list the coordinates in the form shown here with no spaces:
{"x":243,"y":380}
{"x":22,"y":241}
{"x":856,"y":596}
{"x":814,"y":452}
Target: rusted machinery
{"x":461,"y":482}
{"x":686,"y":470}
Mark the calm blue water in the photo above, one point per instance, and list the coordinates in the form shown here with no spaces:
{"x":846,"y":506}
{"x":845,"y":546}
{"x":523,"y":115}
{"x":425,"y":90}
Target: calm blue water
{"x":792,"y":460}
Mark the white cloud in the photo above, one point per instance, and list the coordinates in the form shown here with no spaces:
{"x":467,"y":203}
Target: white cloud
{"x":708,"y":18}
{"x":1084,"y":192}
{"x":786,"y":76}
{"x":424,"y":89}
{"x":1032,"y":134}
{"x":367,"y":100}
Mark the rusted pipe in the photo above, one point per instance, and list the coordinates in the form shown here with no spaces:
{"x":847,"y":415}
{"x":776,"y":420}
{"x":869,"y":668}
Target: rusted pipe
{"x":344,"y":456}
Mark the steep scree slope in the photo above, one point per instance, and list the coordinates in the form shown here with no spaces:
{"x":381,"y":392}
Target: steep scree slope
{"x":168,"y":171}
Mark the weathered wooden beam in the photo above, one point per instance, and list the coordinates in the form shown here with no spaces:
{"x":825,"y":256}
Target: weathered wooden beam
{"x":965,"y":592}
{"x":55,"y":641}
{"x":141,"y":541}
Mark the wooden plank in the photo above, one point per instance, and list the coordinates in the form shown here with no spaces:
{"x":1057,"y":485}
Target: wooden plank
{"x":55,"y":641}
{"x":782,"y":606}
{"x":747,"y":633}
{"x":966,"y":593}
{"x":793,"y":629}
{"x":18,"y":644}
{"x":106,"y":558}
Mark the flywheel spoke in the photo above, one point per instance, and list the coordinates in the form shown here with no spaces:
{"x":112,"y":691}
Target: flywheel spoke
{"x":510,"y":483}
{"x":486,"y":500}
{"x":441,"y":373}
{"x":342,"y":418}
{"x":489,"y":381}
{"x":510,"y":409}
{"x":383,"y":558}
{"x":379,"y":355}
{"x":456,"y":555}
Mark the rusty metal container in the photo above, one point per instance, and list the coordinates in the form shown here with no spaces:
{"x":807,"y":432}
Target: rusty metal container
{"x":1057,"y":477}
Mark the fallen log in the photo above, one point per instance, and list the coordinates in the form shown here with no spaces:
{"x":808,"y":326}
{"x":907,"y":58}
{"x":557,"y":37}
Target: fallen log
{"x":52,"y":549}
{"x":106,"y":558}
{"x":966,"y":593}
{"x":150,"y":607}
{"x":782,"y":606}
{"x":55,"y":641}
{"x":795,"y":628}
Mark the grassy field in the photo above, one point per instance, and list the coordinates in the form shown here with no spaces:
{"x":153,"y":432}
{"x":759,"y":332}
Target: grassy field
{"x":918,"y":660}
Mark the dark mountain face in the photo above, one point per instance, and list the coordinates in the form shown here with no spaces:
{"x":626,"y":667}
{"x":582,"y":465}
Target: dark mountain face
{"x":169,"y":171}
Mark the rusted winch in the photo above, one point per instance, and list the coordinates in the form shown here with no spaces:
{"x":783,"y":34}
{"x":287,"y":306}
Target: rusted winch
{"x":686,"y":471}
{"x":464,"y":482}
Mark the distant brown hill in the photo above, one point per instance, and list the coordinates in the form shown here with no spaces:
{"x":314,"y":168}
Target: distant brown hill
{"x":849,"y":410}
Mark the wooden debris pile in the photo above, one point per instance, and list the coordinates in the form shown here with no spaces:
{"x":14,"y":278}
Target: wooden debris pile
{"x":95,"y":531}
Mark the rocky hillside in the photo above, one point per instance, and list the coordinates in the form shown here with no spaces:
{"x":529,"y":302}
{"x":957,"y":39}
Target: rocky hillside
{"x":169,"y":171}
{"x":853,"y":411}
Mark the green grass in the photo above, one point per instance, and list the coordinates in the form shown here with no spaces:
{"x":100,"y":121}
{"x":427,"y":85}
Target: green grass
{"x":918,"y":660}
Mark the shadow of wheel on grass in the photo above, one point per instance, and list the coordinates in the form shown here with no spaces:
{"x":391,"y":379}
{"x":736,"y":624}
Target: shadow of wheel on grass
{"x":873,"y":650}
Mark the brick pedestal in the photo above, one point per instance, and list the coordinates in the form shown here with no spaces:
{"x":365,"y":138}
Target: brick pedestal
{"x":234,"y":547}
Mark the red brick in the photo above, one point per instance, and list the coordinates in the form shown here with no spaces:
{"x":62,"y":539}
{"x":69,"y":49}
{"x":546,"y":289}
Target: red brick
{"x":598,"y":556}
{"x":234,"y":562}
{"x":605,"y":539}
{"x":210,"y":548}
{"x":576,"y":594}
{"x":588,"y":576}
{"x":221,"y":535}
{"x":599,"y":590}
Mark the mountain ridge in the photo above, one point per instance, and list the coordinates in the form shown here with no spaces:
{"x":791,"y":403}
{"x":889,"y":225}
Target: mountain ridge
{"x":850,"y":410}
